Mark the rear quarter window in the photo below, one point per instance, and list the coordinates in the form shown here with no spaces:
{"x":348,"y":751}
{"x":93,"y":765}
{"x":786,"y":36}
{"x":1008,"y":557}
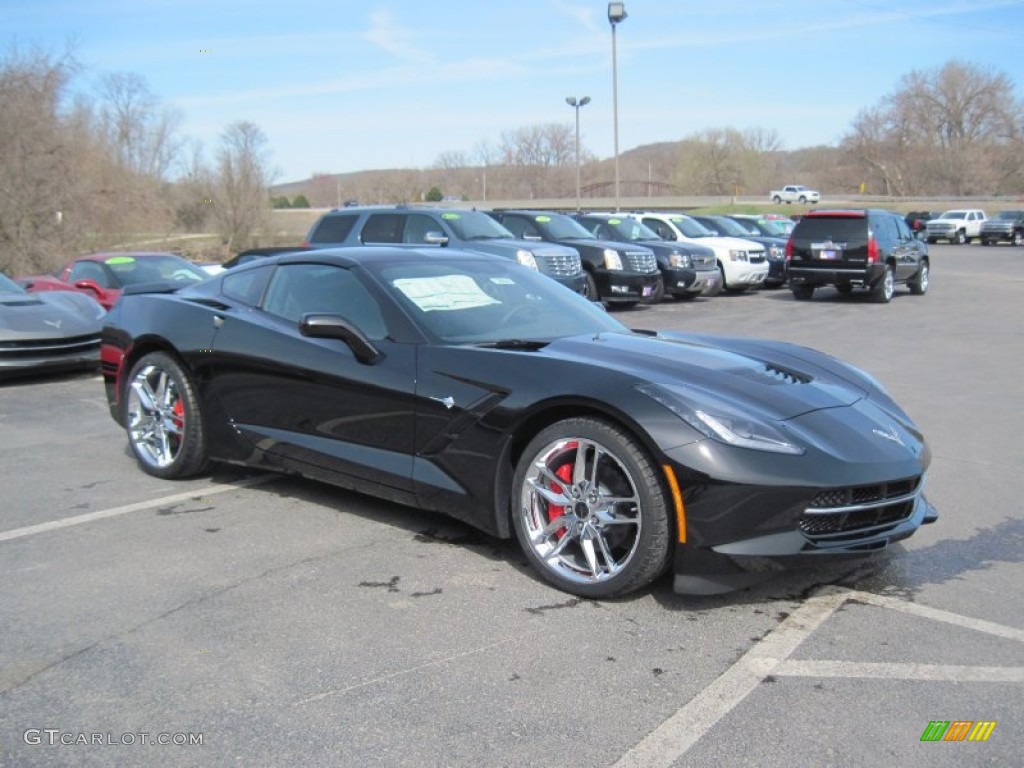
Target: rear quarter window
{"x":333,"y":229}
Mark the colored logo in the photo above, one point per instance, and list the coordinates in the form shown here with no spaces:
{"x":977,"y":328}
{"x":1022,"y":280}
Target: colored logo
{"x":958,"y":730}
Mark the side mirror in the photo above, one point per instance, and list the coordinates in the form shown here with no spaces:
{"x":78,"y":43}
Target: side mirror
{"x":436,"y":238}
{"x":89,"y":285}
{"x":324,"y":326}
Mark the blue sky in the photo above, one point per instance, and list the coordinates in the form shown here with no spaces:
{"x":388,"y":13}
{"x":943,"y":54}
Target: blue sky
{"x":344,"y":86}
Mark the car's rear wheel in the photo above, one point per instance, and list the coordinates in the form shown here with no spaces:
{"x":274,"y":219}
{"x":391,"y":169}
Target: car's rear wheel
{"x":803,"y":292}
{"x":881,"y":292}
{"x":590,"y":509}
{"x":919,"y":283}
{"x":163,"y":418}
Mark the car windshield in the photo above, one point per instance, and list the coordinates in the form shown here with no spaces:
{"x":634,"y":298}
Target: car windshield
{"x":489,"y":301}
{"x":555,"y":226}
{"x":626,"y":229}
{"x":131,"y":269}
{"x":473,"y":225}
{"x":954,"y":215}
{"x":9,"y":286}
{"x":691,"y":227}
{"x":728,"y":226}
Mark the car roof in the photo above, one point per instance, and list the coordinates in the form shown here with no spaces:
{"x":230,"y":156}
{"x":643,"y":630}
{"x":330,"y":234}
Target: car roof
{"x":369,"y":254}
{"x":127,"y":254}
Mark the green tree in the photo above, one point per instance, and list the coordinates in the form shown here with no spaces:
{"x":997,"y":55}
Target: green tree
{"x":300,"y":201}
{"x":434,"y":195}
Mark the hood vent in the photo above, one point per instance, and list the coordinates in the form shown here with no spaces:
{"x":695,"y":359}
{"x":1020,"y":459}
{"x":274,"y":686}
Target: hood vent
{"x":770,"y":373}
{"x":21,"y":303}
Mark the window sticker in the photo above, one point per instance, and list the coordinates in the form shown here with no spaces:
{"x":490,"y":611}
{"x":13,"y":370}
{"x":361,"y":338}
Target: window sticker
{"x":119,"y":260}
{"x":542,"y":219}
{"x":446,"y":292}
{"x":503,"y":281}
{"x":449,"y":216}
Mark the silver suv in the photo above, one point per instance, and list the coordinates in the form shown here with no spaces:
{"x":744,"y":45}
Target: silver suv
{"x":436,"y":227}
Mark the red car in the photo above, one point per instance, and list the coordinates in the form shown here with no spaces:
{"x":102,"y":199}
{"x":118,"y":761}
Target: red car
{"x":104,"y":275}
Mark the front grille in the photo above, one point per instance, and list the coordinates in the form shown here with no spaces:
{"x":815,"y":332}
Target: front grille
{"x":843,"y":516}
{"x":561,"y":265}
{"x":12,"y":350}
{"x":637,"y":261}
{"x":756,"y":258}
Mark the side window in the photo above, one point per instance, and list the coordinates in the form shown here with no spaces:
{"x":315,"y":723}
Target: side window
{"x":333,"y":228}
{"x":904,"y":230}
{"x":90,"y":270}
{"x":416,"y":228}
{"x":516,"y":226}
{"x":296,"y":289}
{"x":246,"y":286}
{"x":383,"y":228}
{"x":663,"y":230}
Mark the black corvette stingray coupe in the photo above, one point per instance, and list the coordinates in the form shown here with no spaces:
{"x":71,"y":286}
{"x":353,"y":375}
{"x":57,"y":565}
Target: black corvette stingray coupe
{"x":470,"y":385}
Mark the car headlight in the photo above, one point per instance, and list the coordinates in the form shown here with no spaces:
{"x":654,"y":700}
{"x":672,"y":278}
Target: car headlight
{"x":527,"y":259}
{"x":720,"y":421}
{"x":776,"y":252}
{"x":738,"y":255}
{"x":612,"y":259}
{"x":679,"y":260}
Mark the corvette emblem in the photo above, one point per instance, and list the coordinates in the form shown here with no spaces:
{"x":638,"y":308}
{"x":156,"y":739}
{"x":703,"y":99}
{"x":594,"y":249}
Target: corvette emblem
{"x":447,"y":402}
{"x":892,"y":434}
{"x":54,"y":323}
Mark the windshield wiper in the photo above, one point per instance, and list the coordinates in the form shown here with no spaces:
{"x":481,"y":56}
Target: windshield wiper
{"x":514,"y":344}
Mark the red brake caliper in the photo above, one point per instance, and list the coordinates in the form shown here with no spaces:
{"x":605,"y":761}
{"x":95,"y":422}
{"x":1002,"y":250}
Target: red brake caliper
{"x":564,"y":472}
{"x":179,"y":414}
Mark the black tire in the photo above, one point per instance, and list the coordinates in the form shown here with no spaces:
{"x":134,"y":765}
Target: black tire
{"x":881,"y":292}
{"x":591,"y":289}
{"x":659,"y":293}
{"x":777,"y":200}
{"x":803,"y":292}
{"x":163,"y":418}
{"x":919,"y":283}
{"x":803,"y":200}
{"x":685,"y":296}
{"x":722,"y":285}
{"x":589,"y":556}
{"x":960,"y":238}
{"x":931,"y":240}
{"x":986,"y":242}
{"x":1018,"y":238}
{"x":845,"y":288}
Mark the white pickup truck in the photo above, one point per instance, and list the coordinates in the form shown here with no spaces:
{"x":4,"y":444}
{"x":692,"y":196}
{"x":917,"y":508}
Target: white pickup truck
{"x":960,"y":226}
{"x":794,"y":193}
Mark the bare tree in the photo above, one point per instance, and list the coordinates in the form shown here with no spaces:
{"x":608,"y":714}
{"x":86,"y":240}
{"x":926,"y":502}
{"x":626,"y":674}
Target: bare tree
{"x":949,"y":130}
{"x":143,"y":134}
{"x":242,"y":178}
{"x":35,"y":150}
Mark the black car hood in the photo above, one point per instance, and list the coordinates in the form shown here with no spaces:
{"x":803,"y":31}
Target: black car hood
{"x":765,"y":376}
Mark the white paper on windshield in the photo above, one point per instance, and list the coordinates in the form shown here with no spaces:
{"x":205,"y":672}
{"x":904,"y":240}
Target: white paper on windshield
{"x":444,"y":293}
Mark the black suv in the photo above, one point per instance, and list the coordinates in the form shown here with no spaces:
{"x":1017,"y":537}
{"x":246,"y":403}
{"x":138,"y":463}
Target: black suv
{"x":869,"y":248}
{"x":687,"y":269}
{"x":441,"y":227}
{"x":1005,"y":225}
{"x":618,"y":274}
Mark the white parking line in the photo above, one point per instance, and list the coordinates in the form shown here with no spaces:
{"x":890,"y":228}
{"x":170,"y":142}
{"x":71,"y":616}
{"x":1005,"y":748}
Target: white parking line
{"x":101,"y":514}
{"x":666,"y":743}
{"x":671,"y":740}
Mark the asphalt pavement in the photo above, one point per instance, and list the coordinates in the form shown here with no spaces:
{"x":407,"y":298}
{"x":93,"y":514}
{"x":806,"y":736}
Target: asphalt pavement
{"x":251,"y":620}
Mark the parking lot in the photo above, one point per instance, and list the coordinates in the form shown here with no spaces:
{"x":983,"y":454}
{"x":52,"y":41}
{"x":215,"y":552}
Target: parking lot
{"x":259,"y":620}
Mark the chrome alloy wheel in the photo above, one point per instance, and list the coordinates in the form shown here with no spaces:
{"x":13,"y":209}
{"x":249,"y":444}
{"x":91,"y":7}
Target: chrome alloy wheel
{"x":155,"y":416}
{"x":580,"y":511}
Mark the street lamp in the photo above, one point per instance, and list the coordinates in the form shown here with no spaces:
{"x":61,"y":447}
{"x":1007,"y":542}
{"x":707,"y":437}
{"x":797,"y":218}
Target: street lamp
{"x":616,"y":13}
{"x":572,"y":102}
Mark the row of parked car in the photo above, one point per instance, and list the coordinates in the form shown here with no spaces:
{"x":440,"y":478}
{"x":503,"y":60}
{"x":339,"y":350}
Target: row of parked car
{"x":621,"y":259}
{"x":961,"y":226}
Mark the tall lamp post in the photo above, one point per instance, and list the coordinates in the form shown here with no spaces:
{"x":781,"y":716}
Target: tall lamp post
{"x":576,"y":105}
{"x":616,"y":13}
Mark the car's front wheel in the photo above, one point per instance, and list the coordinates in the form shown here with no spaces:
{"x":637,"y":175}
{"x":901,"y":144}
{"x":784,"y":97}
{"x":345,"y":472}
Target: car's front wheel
{"x":591,"y":289}
{"x":1018,"y":238}
{"x":803,"y":292}
{"x":960,"y":238}
{"x":163,"y":418}
{"x":590,"y":510}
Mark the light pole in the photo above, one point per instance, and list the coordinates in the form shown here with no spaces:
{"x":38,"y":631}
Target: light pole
{"x":572,"y":102}
{"x":616,"y":13}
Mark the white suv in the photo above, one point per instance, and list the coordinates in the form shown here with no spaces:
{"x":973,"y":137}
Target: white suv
{"x":741,"y":263}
